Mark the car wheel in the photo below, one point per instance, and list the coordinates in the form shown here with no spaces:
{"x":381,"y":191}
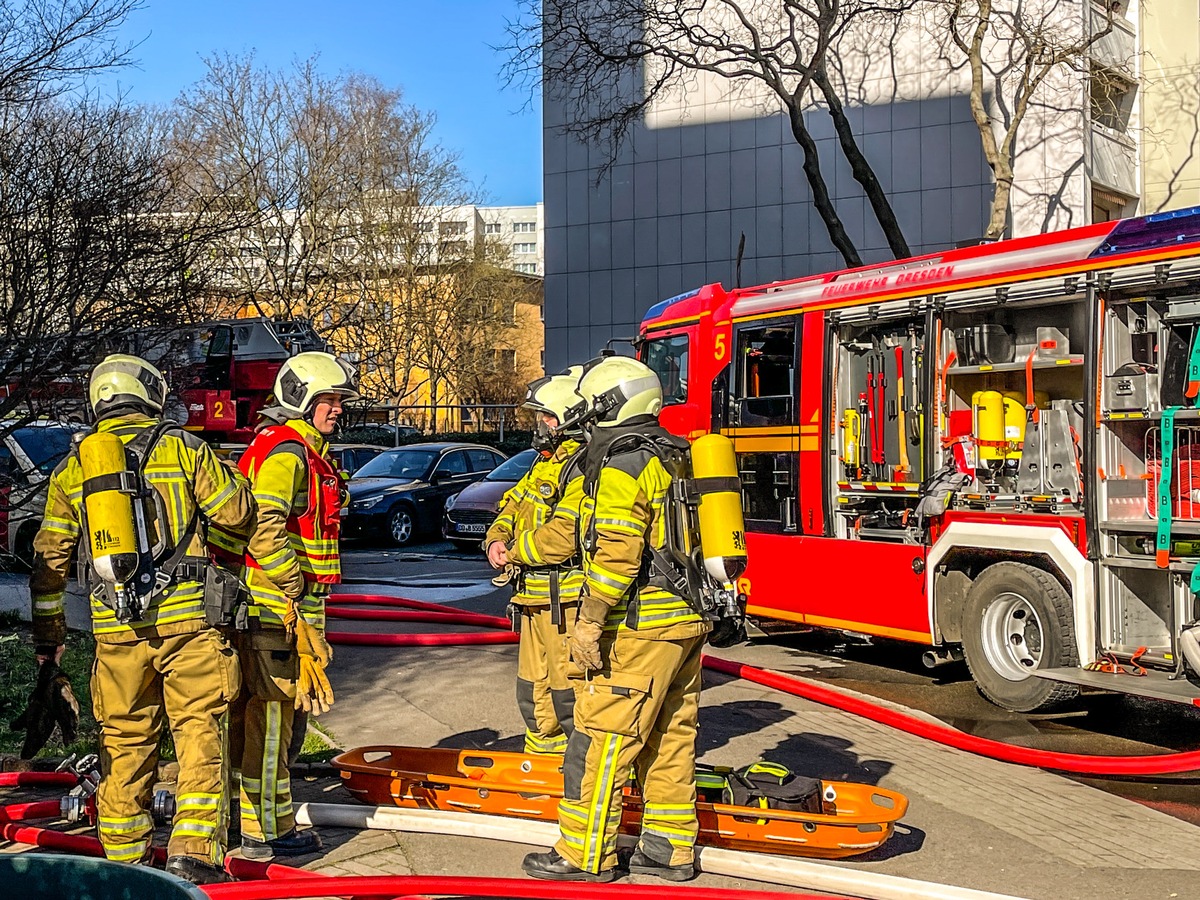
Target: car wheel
{"x":401,"y":525}
{"x":1017,"y":620}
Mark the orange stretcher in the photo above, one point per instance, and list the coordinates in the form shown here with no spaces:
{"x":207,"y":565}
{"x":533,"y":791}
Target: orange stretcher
{"x":859,"y":819}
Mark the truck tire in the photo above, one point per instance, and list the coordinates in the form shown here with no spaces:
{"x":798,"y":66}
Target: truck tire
{"x":1018,"y":619}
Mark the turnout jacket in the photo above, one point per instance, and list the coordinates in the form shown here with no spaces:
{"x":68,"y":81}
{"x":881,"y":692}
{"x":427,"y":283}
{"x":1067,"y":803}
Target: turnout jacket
{"x":193,"y":482}
{"x":293,"y":553}
{"x":530,"y":504}
{"x":622,"y":499}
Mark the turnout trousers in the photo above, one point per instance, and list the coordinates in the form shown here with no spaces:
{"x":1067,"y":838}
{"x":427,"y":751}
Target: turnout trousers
{"x":187,"y":682}
{"x":545,"y":697}
{"x":639,"y":713}
{"x":265,"y":714}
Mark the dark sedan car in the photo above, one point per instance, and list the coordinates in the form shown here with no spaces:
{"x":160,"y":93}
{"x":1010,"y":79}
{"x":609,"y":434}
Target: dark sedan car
{"x":470,"y":512}
{"x":401,"y":493}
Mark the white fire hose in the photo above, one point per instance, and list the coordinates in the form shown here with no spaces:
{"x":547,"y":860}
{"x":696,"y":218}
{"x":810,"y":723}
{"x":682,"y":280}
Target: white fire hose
{"x":776,"y":870}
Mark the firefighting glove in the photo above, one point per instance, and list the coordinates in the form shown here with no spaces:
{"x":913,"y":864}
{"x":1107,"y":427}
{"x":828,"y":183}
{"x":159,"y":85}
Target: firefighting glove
{"x":507,"y":574}
{"x":52,"y":702}
{"x":584,"y":644}
{"x":313,"y":692}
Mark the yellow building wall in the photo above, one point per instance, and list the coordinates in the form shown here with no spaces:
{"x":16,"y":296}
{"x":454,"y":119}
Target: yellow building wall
{"x":1170,"y":32}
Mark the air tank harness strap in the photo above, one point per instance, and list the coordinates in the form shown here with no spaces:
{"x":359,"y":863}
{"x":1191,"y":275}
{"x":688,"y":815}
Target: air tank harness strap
{"x":1166,"y":462}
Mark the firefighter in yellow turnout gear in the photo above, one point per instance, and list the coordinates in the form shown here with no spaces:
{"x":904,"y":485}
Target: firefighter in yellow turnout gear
{"x":636,"y":653}
{"x":159,"y":660}
{"x":292,"y":562}
{"x":547,"y":589}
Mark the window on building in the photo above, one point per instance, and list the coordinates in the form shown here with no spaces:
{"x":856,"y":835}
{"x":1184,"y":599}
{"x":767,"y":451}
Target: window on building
{"x":524,"y":227}
{"x":1108,"y":206}
{"x":524,"y":248}
{"x":493,"y":228}
{"x":1112,"y":96}
{"x":526,"y":268}
{"x":506,"y":361}
{"x":424,"y":227}
{"x":452,"y":228}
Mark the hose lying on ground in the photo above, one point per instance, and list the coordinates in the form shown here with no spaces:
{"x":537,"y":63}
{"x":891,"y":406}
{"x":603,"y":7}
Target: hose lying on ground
{"x":1073,"y":763}
{"x":779,"y":870}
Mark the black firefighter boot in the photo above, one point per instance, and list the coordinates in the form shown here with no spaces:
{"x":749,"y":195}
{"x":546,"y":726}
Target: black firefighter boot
{"x":197,"y":871}
{"x":641,"y":864}
{"x":550,"y":866}
{"x":294,"y":843}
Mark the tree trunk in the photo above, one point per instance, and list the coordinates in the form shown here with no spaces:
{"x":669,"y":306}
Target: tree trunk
{"x":861,"y":169}
{"x":998,"y":222}
{"x":820,"y":190}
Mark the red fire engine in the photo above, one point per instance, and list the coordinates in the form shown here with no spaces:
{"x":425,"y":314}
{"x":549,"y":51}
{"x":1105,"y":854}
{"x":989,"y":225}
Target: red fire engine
{"x":993,"y":451}
{"x":222,"y":371}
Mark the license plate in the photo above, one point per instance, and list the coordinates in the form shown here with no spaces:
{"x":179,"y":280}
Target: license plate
{"x":471,"y":529}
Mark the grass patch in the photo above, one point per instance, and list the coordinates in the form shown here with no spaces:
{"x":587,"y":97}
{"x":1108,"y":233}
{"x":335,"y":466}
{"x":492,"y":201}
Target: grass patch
{"x":18,"y":675}
{"x":320,"y":744}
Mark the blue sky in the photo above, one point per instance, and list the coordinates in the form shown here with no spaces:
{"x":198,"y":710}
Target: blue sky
{"x":436,"y":50}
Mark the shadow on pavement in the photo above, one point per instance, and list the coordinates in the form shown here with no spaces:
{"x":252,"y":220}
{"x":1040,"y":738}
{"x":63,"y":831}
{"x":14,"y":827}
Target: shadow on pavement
{"x":483,"y":739}
{"x":719,"y":725}
{"x":827,"y":756}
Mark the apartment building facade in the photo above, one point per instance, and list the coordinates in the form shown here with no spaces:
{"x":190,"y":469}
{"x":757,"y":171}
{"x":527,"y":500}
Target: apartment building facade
{"x":717,"y":160}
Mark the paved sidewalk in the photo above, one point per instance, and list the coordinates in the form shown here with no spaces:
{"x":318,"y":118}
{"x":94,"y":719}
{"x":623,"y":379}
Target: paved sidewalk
{"x":972,"y":822}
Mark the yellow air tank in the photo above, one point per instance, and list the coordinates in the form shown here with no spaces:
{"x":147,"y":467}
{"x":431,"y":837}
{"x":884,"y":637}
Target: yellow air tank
{"x":112,"y":533}
{"x":722,"y":529}
{"x":1015,"y":417}
{"x":851,"y":438}
{"x":987,"y":409}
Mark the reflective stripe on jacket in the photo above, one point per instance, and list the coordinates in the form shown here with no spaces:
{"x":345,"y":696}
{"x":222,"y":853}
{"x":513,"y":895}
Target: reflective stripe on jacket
{"x":524,"y":509}
{"x":293,"y":553}
{"x":190,"y":479}
{"x":627,"y":510}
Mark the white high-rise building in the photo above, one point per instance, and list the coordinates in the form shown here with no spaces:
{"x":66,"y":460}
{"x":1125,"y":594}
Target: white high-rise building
{"x":714,"y":162}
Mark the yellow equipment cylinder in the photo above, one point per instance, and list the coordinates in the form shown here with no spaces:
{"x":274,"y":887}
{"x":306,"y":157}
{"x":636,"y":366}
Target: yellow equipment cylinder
{"x":722,"y":529}
{"x":112,"y":533}
{"x":987,"y":408}
{"x":851,"y":438}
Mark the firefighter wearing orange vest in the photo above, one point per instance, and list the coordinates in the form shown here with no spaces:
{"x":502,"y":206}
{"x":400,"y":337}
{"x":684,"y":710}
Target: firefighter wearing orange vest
{"x":635,"y":648}
{"x":292,"y":562}
{"x":547,"y":589}
{"x":145,"y":529}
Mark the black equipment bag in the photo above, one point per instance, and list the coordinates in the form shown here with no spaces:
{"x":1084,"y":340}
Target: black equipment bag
{"x":769,"y":785}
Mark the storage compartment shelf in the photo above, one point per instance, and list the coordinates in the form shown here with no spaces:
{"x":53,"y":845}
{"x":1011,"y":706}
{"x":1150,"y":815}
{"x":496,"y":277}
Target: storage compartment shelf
{"x":1145,"y":416}
{"x":1148,"y":526}
{"x":1128,"y":562}
{"x":1014,"y":366}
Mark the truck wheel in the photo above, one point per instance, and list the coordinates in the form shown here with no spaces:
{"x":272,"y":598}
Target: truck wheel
{"x":401,"y":525}
{"x":1018,"y":619}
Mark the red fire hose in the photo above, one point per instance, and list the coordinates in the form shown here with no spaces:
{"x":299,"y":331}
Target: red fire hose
{"x":433,"y":613}
{"x":422,"y":886}
{"x":1076,"y":763}
{"x":19,"y":812}
{"x":38,"y":779}
{"x":81,"y":844}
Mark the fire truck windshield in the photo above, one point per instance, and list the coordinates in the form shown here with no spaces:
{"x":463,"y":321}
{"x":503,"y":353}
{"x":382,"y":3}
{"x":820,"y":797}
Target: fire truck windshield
{"x":668,"y":357}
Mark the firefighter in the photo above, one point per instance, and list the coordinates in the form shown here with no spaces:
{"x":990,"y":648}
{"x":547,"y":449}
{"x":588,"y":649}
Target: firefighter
{"x":156,"y":651}
{"x":292,"y":561}
{"x":635,"y":650}
{"x":547,"y":587}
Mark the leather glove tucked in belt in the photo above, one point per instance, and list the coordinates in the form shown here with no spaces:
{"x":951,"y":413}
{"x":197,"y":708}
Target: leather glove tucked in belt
{"x":314,"y":694}
{"x":584,"y":644}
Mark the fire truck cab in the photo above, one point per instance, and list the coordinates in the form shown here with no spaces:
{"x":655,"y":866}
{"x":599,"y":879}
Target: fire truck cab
{"x":993,"y":451}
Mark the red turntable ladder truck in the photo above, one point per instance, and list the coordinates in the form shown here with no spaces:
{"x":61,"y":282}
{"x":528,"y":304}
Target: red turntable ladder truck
{"x":992,"y":451}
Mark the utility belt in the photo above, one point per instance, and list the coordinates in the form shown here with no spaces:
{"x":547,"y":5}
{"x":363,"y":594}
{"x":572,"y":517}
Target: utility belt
{"x":554,"y":575}
{"x":225,"y":597}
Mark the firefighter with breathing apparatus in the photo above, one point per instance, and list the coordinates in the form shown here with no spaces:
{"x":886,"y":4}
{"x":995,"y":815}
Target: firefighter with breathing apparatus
{"x":139,"y":498}
{"x":546,"y":589}
{"x":292,"y":562}
{"x":659,"y":568}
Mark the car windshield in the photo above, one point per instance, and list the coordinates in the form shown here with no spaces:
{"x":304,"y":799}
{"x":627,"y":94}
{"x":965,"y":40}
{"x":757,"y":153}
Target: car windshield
{"x":513,"y":469}
{"x":407,"y":464}
{"x":45,"y":445}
